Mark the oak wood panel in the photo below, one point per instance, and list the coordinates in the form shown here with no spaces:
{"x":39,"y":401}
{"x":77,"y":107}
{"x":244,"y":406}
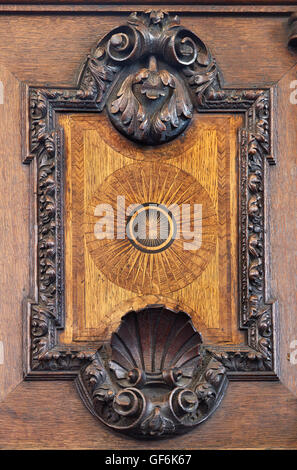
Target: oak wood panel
{"x":50,"y":415}
{"x":97,"y":294}
{"x":86,"y":8}
{"x":152,"y":2}
{"x":258,"y":415}
{"x":283,"y":210}
{"x":14,"y":236}
{"x":55,"y":56}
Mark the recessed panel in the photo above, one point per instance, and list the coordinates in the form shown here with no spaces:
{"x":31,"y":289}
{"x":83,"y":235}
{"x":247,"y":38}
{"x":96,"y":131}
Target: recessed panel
{"x":151,"y":225}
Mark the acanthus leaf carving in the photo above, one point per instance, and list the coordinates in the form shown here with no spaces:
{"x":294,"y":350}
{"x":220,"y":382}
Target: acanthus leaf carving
{"x":137,"y":118}
{"x":156,"y":424}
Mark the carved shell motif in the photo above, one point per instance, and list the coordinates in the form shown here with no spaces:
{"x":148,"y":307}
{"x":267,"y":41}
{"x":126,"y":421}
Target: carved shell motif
{"x":155,"y":379}
{"x":155,"y":346}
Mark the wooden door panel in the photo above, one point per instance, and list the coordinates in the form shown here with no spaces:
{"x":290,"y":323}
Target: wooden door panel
{"x":249,"y":43}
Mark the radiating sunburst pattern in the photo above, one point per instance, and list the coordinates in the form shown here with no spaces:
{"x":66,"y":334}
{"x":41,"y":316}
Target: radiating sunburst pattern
{"x":138,"y":256}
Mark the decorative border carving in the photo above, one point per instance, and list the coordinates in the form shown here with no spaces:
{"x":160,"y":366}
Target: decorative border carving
{"x":46,"y":358}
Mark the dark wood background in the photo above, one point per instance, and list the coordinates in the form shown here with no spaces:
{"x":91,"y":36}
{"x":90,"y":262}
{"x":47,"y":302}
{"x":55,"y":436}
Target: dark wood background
{"x":45,"y":45}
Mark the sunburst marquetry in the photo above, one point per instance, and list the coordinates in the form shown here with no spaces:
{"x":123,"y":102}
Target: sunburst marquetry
{"x":166,"y":265}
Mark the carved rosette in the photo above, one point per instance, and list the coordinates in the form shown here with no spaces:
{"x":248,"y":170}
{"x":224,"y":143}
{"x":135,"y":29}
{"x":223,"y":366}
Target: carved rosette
{"x":150,"y":68}
{"x":157,"y":380}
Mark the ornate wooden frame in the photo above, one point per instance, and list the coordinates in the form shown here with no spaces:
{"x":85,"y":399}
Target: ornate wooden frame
{"x":45,"y":314}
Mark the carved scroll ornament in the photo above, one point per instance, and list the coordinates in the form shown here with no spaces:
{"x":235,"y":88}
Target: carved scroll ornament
{"x":156,"y":380}
{"x":150,"y":73}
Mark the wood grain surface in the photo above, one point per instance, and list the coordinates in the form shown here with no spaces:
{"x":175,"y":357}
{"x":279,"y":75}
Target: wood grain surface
{"x":101,"y":282}
{"x":153,"y":2}
{"x":50,"y":415}
{"x":55,"y":56}
{"x":14,"y":234}
{"x":282,"y":212}
{"x":88,"y":8}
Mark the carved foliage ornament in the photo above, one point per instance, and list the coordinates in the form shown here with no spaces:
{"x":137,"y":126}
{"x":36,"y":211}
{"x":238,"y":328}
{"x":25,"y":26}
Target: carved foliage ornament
{"x":149,"y":74}
{"x":160,"y":60}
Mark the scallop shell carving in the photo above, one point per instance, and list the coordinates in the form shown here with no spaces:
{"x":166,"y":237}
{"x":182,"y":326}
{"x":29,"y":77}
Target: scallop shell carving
{"x":155,"y":345}
{"x":155,"y":379}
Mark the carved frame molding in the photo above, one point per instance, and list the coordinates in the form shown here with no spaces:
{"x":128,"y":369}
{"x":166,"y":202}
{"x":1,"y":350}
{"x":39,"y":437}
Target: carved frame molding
{"x":45,"y":314}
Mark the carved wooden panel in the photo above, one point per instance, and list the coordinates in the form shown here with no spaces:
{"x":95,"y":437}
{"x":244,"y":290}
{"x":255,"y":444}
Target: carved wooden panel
{"x":150,"y":121}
